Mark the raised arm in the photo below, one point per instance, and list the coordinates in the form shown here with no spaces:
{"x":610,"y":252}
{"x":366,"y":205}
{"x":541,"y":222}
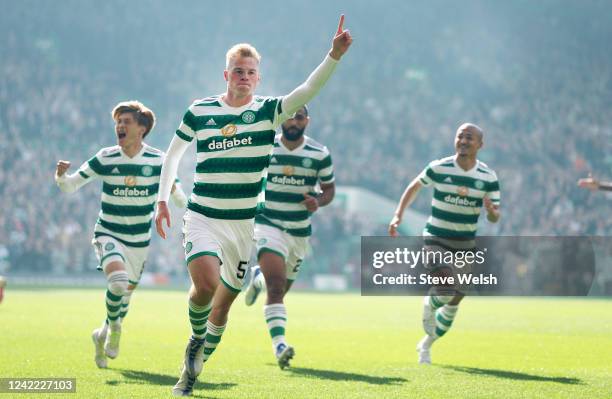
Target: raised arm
{"x":175,"y":152}
{"x":317,"y":79}
{"x":408,"y":197}
{"x":71,"y":183}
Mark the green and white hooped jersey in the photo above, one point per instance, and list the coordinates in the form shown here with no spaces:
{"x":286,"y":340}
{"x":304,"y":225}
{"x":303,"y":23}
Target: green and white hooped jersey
{"x":233,"y":152}
{"x":129,"y":192}
{"x":292,"y":174}
{"x":457,"y":199}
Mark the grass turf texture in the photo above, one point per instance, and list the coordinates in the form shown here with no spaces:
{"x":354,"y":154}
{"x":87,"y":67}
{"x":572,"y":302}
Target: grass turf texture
{"x":347,"y":346}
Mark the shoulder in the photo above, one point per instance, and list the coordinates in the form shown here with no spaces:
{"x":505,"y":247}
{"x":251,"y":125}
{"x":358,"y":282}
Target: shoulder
{"x":152,"y":152}
{"x":317,"y":149}
{"x":211,"y":101}
{"x":109,"y":152}
{"x":265,"y":99}
{"x":486,"y":170}
{"x":446,"y":162}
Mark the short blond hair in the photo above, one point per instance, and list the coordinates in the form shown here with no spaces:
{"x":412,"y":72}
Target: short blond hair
{"x":241,"y":50}
{"x":143,"y":115}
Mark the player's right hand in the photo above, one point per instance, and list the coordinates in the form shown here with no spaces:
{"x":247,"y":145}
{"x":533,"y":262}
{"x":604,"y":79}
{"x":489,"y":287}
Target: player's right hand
{"x":162,"y":213}
{"x":61,"y":167}
{"x":342,"y":41}
{"x":393,"y":225}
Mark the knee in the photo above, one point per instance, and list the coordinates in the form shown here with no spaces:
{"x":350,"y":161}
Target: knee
{"x":276,"y":289}
{"x":204,"y":286}
{"x":118,"y":283}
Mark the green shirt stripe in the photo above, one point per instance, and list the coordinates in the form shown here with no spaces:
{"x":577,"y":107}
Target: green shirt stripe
{"x":132,"y":229}
{"x":292,"y":216}
{"x":233,"y":165}
{"x":453,"y":217}
{"x":229,"y":214}
{"x":301,"y":232}
{"x":127,"y":210}
{"x":325,"y":179}
{"x":227,"y":190}
{"x":280,"y":196}
{"x":440,"y":232}
{"x":462,"y":181}
{"x":123,"y":169}
{"x":183,"y":136}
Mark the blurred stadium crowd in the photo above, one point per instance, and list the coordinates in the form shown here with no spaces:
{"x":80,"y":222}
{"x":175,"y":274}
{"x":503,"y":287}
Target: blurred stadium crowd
{"x":536,"y":76}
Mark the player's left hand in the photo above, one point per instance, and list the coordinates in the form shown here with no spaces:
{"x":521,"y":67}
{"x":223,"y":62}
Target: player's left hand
{"x":490,"y":207}
{"x":342,"y":41}
{"x":311,"y":203}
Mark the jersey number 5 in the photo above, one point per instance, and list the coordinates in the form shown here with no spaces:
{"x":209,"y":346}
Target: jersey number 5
{"x":241,"y":270}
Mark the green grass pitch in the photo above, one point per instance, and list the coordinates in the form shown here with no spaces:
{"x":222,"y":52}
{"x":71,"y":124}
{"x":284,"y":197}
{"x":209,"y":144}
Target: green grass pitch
{"x":347,"y":346}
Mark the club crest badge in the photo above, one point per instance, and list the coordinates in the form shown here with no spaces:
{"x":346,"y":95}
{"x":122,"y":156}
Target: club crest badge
{"x":248,"y":116}
{"x":147,"y":170}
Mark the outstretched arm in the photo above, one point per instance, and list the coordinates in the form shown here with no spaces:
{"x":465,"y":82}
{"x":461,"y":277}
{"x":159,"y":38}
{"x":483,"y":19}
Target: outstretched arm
{"x":408,"y":197}
{"x":175,"y":152}
{"x":317,"y":79}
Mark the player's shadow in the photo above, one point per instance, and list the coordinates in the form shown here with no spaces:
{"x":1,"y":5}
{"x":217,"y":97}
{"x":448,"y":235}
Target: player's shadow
{"x":513,"y":375}
{"x":342,"y":376}
{"x":144,"y":377}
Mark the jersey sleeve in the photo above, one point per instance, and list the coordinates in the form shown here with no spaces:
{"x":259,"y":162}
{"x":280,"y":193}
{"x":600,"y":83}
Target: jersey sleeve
{"x":493,"y":191}
{"x":274,"y":111}
{"x":326,"y":169}
{"x":426,"y":176}
{"x":187,"y":128}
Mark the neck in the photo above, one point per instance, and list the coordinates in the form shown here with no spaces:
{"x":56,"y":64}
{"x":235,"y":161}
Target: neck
{"x":466,"y":162}
{"x":132,"y":150}
{"x":236,"y":101}
{"x":292,"y":145}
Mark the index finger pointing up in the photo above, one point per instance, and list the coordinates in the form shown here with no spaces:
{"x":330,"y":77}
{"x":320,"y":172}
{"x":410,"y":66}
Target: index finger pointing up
{"x":340,"y":24}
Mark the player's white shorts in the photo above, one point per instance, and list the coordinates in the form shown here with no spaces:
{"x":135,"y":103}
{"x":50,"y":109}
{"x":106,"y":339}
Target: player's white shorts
{"x":292,"y":249}
{"x":229,"y":240}
{"x":109,"y":249}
